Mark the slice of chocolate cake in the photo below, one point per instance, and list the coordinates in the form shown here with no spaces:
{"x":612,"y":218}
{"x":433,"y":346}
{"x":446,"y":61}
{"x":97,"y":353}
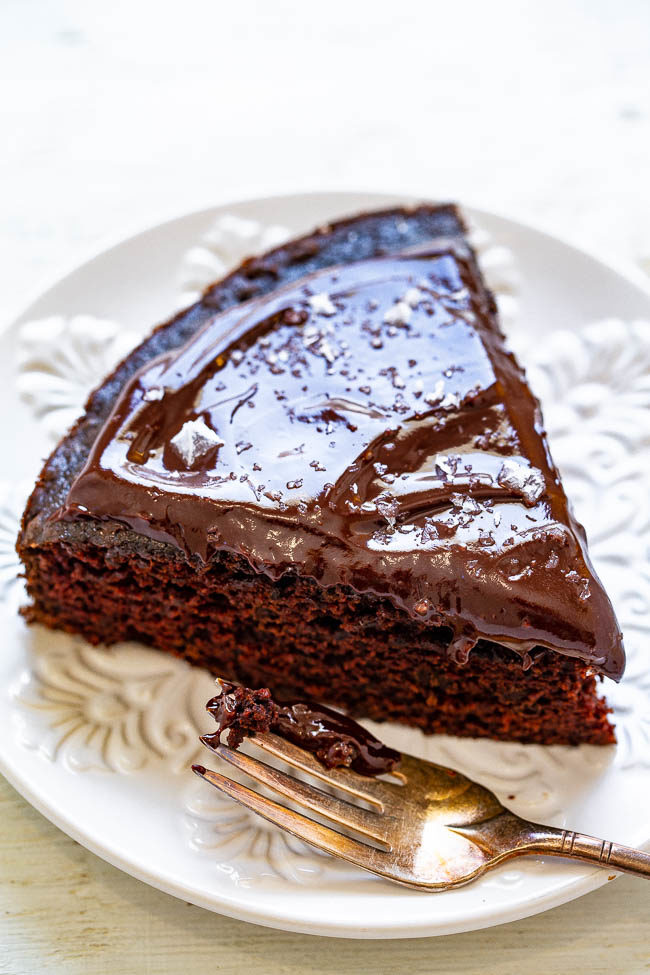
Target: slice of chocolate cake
{"x":340,"y":489}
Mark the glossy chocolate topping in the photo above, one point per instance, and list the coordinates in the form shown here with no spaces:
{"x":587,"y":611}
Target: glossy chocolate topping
{"x":365,"y":427}
{"x":336,"y":740}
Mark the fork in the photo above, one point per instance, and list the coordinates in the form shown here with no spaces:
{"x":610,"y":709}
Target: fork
{"x":426,"y":827}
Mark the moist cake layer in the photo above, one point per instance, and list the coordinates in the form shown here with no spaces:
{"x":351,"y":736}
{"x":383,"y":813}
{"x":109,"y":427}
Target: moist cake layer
{"x":356,"y":652}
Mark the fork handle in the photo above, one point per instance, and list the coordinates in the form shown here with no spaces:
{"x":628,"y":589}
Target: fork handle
{"x":602,"y":853}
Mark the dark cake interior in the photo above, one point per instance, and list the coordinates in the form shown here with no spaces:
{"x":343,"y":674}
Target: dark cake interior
{"x":341,"y":491}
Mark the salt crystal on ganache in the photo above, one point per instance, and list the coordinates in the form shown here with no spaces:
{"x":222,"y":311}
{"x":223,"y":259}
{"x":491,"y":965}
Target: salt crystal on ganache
{"x":413,"y":297}
{"x":521,"y":479}
{"x":322,"y":304}
{"x":399,"y":314}
{"x":195,"y":439}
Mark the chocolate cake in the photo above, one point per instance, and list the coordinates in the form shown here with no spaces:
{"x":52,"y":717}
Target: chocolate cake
{"x":335,"y":739}
{"x":329,"y":477}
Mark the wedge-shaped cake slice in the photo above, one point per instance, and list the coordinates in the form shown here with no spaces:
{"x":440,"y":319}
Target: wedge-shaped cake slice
{"x":341,"y":490}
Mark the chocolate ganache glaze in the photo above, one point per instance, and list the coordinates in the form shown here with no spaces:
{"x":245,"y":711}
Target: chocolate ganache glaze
{"x":336,"y":740}
{"x":366,"y":427}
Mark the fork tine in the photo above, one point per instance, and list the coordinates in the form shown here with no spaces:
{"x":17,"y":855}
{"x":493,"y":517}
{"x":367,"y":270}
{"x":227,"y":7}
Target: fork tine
{"x":306,"y":829}
{"x":363,"y":787}
{"x":303,"y":794}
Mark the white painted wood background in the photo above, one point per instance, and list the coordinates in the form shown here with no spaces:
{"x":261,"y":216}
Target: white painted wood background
{"x":116,"y":114}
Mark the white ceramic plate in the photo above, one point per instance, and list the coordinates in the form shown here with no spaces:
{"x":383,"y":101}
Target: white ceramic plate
{"x":101,"y":741}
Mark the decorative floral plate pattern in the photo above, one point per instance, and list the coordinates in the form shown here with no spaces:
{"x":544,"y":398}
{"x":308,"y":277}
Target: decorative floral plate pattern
{"x":130,"y":716}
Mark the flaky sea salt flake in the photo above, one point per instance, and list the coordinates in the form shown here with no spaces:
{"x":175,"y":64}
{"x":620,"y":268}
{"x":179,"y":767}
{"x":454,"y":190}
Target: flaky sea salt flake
{"x":442,"y":461}
{"x":322,"y":304}
{"x":413,"y":297}
{"x":449,"y":402}
{"x":528,"y":482}
{"x":438,"y":392}
{"x":194,"y":440}
{"x":153,"y":395}
{"x":399,"y":314}
{"x":326,"y":350}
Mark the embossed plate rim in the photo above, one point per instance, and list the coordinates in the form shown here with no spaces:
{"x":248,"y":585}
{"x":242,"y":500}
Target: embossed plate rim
{"x":412,"y":918}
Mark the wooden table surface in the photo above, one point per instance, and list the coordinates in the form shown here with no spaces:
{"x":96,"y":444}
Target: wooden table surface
{"x":116,"y":114}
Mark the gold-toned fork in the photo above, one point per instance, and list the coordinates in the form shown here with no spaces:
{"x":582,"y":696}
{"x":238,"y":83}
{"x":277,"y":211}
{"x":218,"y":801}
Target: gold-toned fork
{"x":429,"y":827}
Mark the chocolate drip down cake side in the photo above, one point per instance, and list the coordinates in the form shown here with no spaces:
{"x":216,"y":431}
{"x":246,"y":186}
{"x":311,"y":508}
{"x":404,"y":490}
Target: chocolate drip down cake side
{"x":329,"y":477}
